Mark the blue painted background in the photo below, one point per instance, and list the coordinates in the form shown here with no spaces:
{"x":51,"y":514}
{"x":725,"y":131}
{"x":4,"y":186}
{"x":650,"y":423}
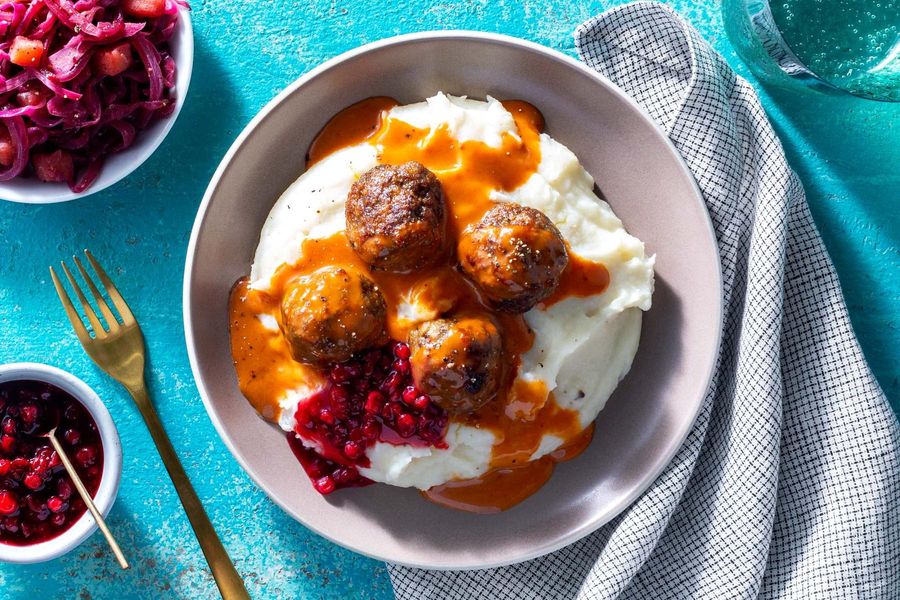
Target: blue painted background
{"x":845,"y":150}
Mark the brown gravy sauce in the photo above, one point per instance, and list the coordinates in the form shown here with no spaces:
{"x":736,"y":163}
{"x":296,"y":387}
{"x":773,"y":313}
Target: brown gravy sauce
{"x":504,"y":487}
{"x":524,"y":411}
{"x":580,"y":279}
{"x":261,"y":356}
{"x":353,"y":125}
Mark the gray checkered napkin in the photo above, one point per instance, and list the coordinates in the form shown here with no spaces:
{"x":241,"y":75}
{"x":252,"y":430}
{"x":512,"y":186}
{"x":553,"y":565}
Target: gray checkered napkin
{"x":788,"y":486}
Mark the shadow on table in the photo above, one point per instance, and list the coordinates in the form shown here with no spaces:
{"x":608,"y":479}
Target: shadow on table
{"x":856,"y":142}
{"x":92,"y":567}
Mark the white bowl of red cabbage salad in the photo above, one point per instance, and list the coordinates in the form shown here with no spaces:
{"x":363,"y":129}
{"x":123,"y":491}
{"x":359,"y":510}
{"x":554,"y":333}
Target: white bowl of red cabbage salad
{"x":88,"y":91}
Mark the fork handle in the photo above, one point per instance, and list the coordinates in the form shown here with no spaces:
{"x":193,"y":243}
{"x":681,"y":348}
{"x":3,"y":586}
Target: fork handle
{"x":231,"y":586}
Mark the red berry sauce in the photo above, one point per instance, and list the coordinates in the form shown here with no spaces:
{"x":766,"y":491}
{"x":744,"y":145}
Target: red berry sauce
{"x":37,"y":498}
{"x":368,"y":398}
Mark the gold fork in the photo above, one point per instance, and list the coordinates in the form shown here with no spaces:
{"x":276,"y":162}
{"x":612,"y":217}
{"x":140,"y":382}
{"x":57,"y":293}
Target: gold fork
{"x":118,"y":349}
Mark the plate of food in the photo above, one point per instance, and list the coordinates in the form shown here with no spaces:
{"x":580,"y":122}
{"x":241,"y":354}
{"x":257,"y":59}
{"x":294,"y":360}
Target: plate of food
{"x":453,"y":300}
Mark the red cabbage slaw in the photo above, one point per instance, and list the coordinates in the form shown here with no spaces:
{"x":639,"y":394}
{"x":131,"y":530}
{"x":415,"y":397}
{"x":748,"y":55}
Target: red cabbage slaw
{"x":67,"y":110}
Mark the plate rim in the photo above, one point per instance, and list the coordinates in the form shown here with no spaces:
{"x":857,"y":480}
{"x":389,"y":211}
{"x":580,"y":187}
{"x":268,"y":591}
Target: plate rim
{"x":462,"y":35}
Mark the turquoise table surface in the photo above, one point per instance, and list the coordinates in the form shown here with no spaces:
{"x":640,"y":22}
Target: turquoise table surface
{"x":846,"y":151}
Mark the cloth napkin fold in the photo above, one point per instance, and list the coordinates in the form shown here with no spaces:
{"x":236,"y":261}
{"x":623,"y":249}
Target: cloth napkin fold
{"x":788,"y":486}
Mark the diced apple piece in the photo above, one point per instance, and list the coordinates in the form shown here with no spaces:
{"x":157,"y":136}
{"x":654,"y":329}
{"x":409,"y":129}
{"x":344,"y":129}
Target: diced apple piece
{"x":7,"y":150}
{"x":112,"y":61}
{"x":144,"y":9}
{"x":26,"y":52}
{"x":53,"y":166}
{"x":33,"y":93}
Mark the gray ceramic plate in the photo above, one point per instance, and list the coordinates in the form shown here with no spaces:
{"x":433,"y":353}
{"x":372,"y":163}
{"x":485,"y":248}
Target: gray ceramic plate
{"x":636,"y":169}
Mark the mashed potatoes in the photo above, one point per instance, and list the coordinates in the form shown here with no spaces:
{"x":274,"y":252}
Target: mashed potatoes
{"x":582,"y":346}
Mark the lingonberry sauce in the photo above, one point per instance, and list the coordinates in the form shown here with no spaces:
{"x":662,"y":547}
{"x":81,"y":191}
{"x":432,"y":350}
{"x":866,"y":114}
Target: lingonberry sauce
{"x":38,"y":500}
{"x":368,"y":398}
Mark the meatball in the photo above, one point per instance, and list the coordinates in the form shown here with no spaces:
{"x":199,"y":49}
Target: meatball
{"x":457,"y":361}
{"x":396,"y":219}
{"x":331,"y":314}
{"x":515,"y":255}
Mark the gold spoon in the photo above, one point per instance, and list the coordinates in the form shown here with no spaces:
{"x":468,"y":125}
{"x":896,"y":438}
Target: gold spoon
{"x":82,"y":491}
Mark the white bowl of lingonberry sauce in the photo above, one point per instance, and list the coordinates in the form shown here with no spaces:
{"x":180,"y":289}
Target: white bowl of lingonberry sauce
{"x":41,"y":514}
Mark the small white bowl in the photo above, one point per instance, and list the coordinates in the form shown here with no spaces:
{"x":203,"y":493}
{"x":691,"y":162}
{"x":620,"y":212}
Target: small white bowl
{"x":112,"y":463}
{"x":121,"y":164}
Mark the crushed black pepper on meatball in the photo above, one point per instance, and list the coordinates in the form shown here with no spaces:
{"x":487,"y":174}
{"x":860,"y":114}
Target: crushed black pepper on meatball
{"x":515,"y":255}
{"x":331,"y":314}
{"x":396,"y":218}
{"x":457,"y":361}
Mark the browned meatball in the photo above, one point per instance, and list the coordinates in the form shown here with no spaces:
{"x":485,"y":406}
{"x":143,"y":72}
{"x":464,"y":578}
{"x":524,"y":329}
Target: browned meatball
{"x":457,"y":361}
{"x":331,"y":314}
{"x":515,"y":255}
{"x":396,"y":219}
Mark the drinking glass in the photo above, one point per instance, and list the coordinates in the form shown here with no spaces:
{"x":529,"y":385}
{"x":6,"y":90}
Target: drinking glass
{"x":830,"y":45}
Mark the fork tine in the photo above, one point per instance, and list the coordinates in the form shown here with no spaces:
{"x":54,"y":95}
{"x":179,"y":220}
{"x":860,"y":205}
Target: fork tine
{"x":104,"y":308}
{"x":99,"y":331}
{"x":114,"y":295}
{"x":83,"y":336}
